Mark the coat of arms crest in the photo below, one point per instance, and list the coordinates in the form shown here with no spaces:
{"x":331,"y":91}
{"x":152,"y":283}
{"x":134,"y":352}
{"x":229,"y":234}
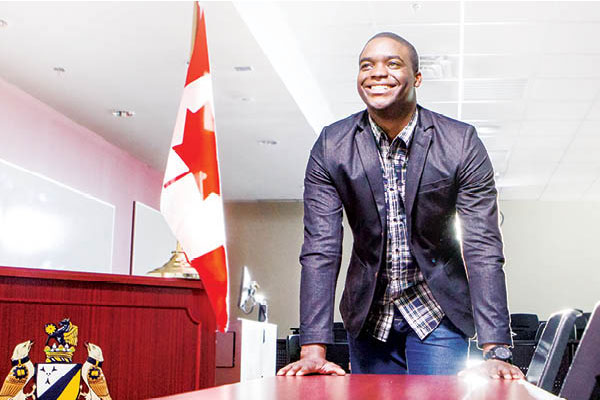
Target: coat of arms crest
{"x":58,"y":377}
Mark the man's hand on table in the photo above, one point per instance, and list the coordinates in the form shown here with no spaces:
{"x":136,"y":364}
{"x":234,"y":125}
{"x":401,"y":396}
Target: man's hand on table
{"x":494,"y":369}
{"x":312,"y":361}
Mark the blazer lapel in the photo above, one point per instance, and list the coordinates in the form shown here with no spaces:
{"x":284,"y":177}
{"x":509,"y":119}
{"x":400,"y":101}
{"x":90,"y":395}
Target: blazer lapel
{"x":369,"y":156}
{"x":417,"y":157}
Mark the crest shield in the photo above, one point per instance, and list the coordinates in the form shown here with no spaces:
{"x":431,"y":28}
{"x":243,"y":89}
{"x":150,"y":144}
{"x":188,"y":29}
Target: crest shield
{"x":57,"y":381}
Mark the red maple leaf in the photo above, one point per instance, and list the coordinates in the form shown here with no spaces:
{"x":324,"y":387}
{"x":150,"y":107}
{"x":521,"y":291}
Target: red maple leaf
{"x":198,"y":151}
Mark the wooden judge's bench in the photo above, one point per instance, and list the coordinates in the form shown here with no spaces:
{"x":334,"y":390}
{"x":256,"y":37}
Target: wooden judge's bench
{"x":157,"y":335}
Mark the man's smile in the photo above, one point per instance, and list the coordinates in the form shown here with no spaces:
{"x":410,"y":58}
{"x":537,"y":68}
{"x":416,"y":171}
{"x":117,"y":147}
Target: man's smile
{"x":379,"y":88}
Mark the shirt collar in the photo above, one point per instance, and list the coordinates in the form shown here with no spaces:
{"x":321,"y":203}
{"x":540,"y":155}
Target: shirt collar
{"x":406,"y":133}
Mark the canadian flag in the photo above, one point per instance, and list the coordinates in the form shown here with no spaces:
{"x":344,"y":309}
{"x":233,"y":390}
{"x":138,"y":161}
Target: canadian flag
{"x":191,"y":194}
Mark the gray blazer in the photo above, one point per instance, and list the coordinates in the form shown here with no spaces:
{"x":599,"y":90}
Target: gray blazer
{"x":448,"y":172}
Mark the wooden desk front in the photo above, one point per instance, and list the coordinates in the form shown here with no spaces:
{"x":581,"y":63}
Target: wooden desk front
{"x":157,"y":335}
{"x":370,"y":387}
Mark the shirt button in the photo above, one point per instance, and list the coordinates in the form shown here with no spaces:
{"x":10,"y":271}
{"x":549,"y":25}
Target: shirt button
{"x":395,"y":220}
{"x":397,"y":250}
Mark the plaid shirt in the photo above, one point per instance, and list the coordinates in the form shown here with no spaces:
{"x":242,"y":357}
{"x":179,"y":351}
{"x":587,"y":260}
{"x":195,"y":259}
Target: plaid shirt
{"x":401,"y":281}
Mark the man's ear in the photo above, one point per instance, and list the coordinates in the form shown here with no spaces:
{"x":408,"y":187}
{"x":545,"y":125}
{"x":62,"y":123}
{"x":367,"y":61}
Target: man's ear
{"x":418,"y":79}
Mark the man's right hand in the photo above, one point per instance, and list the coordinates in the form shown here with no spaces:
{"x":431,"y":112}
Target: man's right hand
{"x":312,"y":361}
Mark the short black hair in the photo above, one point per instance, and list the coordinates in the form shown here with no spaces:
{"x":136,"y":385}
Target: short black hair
{"x":414,"y":57}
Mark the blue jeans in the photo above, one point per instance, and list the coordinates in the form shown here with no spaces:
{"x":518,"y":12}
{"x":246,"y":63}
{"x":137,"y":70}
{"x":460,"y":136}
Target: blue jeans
{"x":443,"y":352}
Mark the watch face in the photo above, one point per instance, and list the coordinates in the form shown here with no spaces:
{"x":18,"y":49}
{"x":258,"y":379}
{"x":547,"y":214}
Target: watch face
{"x":502,"y":353}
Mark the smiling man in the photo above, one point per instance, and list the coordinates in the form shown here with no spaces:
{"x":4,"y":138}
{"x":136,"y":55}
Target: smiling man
{"x":413,"y":295}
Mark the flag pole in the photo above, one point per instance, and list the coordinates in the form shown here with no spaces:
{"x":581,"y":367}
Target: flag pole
{"x":178,"y":265}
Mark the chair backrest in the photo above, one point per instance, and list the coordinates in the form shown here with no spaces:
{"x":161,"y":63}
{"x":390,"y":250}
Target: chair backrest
{"x":293,"y":347}
{"x":540,"y":329}
{"x":524,"y":326}
{"x":550,"y":349}
{"x":582,"y":379}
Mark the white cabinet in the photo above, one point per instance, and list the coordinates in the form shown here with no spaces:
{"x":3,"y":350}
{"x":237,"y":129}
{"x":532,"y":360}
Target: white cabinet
{"x":247,"y":351}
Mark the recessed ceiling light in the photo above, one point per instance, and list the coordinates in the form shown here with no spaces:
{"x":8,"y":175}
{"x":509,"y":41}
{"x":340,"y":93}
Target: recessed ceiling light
{"x":123,"y":113}
{"x":243,"y":68}
{"x":3,"y":23}
{"x":267,"y":142}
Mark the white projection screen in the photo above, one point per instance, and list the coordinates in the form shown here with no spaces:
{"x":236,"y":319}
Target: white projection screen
{"x":46,"y":224}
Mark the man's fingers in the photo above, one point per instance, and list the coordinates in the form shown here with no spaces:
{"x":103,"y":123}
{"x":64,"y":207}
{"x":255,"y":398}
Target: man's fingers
{"x":509,"y":372}
{"x":332,"y":369}
{"x":283,"y":370}
{"x":294,"y":370}
{"x":305,"y":367}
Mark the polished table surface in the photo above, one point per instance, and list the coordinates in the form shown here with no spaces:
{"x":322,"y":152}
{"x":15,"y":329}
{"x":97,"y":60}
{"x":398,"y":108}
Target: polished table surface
{"x":388,"y":387}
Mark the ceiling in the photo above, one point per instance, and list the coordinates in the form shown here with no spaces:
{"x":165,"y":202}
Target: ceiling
{"x":526,"y":74}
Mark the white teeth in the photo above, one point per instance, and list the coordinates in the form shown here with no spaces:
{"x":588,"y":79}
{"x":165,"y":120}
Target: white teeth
{"x":379,"y":89}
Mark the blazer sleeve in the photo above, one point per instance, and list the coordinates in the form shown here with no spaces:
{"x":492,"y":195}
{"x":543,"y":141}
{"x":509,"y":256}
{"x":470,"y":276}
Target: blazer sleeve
{"x":322,"y":249}
{"x":477,"y":208}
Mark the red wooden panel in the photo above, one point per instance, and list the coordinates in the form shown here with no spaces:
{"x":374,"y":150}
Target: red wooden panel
{"x":157,"y":335}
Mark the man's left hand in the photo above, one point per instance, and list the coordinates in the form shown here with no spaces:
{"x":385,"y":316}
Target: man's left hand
{"x":494,"y":369}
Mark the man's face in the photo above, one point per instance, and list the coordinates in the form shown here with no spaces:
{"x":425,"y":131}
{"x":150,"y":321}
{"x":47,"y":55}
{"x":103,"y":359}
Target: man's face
{"x":386,"y":79}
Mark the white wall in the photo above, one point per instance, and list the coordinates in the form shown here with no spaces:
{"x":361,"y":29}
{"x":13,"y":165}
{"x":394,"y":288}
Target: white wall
{"x":38,"y":138}
{"x":552,"y":255}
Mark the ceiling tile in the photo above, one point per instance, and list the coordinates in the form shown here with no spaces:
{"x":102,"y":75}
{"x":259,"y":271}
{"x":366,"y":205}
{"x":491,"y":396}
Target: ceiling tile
{"x":428,"y":39}
{"x":342,"y":109}
{"x":545,"y":128}
{"x":447,"y":109}
{"x":537,"y":154}
{"x":435,"y":91}
{"x":572,"y":38}
{"x":516,"y":11}
{"x":593,"y":192}
{"x":326,"y":13}
{"x":557,"y":110}
{"x":594,"y":111}
{"x":415,"y":12}
{"x":568,"y":65}
{"x":578,"y":11}
{"x":499,"y":66}
{"x":509,"y":110}
{"x":591,"y":128}
{"x":494,"y":89}
{"x":564,"y":89}
{"x":570,"y":181}
{"x":528,"y":174}
{"x":503,"y":38}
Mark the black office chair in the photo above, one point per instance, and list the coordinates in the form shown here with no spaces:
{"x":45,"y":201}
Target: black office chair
{"x":551,"y":349}
{"x":583,"y":379}
{"x":524,"y":326}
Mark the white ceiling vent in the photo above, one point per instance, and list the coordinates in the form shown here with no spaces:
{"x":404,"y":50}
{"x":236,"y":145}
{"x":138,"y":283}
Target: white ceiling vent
{"x":436,"y":67}
{"x":494,"y":89}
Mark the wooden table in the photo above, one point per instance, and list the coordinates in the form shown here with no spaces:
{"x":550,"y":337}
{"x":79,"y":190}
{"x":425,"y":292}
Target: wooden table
{"x":368,"y":387}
